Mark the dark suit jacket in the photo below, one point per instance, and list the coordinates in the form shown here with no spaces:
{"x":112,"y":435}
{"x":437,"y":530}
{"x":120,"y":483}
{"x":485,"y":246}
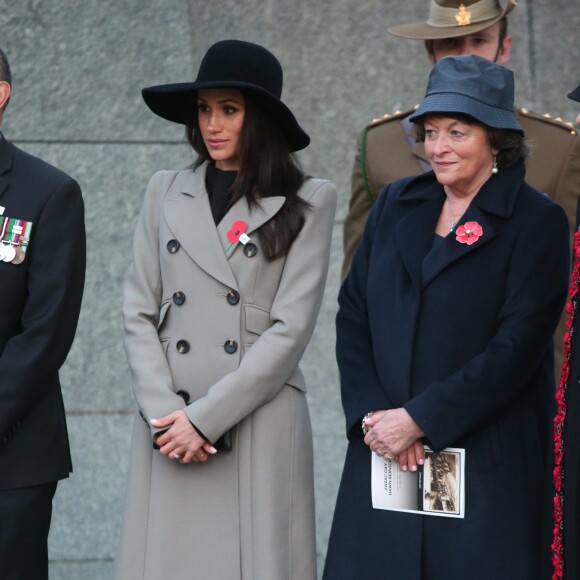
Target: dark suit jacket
{"x":459,"y":335}
{"x":39,"y":307}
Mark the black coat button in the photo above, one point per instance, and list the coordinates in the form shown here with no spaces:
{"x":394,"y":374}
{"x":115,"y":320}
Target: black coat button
{"x":173,"y":246}
{"x":184,"y":395}
{"x":233,"y":297}
{"x":250,"y":250}
{"x":230,"y":346}
{"x":178,"y":298}
{"x":182,"y":346}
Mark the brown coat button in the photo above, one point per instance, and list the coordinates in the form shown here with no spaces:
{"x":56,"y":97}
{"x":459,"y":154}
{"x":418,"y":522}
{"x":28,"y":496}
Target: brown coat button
{"x":178,"y":298}
{"x":182,"y":346}
{"x":233,"y":297}
{"x":230,"y":346}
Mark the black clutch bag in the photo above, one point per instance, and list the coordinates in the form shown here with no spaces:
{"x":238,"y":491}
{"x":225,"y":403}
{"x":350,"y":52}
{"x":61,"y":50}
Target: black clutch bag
{"x":224,"y":443}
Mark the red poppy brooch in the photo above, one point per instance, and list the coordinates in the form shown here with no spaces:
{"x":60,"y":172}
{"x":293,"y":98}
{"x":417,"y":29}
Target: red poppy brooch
{"x":468,"y":233}
{"x":237,"y":233}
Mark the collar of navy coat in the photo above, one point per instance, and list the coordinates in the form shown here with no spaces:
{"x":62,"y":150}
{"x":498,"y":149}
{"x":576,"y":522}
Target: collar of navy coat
{"x":414,"y":231}
{"x":188,"y":214}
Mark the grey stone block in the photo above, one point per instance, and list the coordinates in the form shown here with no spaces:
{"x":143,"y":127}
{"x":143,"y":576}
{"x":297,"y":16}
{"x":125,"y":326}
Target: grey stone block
{"x":100,"y":570}
{"x":88,"y":506}
{"x":319,"y":362}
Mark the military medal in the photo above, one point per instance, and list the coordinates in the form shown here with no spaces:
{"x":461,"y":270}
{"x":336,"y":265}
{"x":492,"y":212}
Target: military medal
{"x":14,"y":238}
{"x":19,"y":257}
{"x":9,"y":253}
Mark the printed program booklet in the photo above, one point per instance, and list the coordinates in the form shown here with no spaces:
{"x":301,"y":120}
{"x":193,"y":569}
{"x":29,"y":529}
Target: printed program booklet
{"x":437,"y":488}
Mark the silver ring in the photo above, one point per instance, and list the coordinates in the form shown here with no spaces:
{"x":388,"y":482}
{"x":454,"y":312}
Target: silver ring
{"x":176,"y":455}
{"x":379,"y":452}
{"x":388,"y":456}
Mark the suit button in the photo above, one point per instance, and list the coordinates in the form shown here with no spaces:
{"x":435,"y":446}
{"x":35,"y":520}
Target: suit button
{"x":172,"y":246}
{"x":178,"y":298}
{"x":233,"y":297}
{"x":184,"y":395}
{"x":250,"y":250}
{"x":230,"y":346}
{"x":182,"y":346}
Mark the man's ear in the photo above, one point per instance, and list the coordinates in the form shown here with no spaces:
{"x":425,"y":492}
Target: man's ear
{"x":4,"y":94}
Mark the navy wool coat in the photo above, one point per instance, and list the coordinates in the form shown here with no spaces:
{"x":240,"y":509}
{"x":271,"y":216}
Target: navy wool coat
{"x":460,"y":336}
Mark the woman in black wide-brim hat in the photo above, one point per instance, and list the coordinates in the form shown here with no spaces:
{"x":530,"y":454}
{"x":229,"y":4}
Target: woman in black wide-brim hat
{"x":229,"y":267}
{"x":566,"y":531}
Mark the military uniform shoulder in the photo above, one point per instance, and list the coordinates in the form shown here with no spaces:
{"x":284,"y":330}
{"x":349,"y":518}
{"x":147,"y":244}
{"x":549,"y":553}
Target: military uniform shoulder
{"x":389,"y":117}
{"x":528,"y":117}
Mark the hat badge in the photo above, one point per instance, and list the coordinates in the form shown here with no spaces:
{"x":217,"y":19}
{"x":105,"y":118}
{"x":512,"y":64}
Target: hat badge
{"x":463,"y":16}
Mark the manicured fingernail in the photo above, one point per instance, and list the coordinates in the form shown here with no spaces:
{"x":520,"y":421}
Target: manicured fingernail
{"x":413,"y":468}
{"x":404,"y":468}
{"x":212,"y":450}
{"x":421,"y":462}
{"x":153,"y":421}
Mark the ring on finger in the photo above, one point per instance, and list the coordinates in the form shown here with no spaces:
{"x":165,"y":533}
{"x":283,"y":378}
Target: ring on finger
{"x":175,"y":455}
{"x":388,"y":456}
{"x":379,"y":452}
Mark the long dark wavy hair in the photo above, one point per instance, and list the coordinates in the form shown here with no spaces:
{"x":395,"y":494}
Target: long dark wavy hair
{"x":267,"y":168}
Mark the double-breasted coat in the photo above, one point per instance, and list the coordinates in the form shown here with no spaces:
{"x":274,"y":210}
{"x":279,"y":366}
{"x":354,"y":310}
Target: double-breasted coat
{"x":458,"y":335}
{"x":219,"y":321}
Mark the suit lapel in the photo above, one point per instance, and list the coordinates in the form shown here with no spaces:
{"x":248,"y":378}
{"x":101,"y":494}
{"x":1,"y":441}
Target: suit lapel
{"x":6,"y":155}
{"x":188,"y":214}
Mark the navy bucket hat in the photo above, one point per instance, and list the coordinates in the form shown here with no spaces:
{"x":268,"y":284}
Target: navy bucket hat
{"x":235,"y":64}
{"x":473,"y":86}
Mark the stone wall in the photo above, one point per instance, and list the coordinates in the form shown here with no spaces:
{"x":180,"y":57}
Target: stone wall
{"x":78,"y":68}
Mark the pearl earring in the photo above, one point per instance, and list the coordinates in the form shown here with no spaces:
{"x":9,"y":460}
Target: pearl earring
{"x":494,"y":169}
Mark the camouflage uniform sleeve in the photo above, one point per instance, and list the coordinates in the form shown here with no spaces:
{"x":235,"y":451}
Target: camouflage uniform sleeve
{"x":359,"y":206}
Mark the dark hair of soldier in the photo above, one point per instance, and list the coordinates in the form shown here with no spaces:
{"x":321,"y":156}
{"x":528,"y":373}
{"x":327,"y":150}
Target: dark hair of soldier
{"x":503,"y":30}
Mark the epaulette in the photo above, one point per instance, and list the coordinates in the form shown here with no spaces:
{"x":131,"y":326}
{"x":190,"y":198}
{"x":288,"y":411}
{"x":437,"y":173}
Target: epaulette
{"x":388,"y":117}
{"x":547,"y":118}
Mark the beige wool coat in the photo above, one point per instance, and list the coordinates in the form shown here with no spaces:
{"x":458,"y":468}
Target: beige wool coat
{"x":229,"y":328}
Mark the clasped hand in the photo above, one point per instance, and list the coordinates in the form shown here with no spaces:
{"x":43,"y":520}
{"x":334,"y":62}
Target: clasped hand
{"x":393,"y":432}
{"x":180,"y":440}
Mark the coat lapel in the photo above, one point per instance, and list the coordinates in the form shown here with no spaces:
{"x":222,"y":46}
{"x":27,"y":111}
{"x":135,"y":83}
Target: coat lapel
{"x":451,"y":250}
{"x":496,"y":198}
{"x":188,"y":214}
{"x":414,"y":232}
{"x":254,"y":217}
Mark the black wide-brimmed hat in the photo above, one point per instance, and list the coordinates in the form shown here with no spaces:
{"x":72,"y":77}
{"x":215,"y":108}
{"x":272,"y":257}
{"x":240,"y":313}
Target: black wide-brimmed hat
{"x":454,"y":18}
{"x":474,"y":86}
{"x":575,"y":94}
{"x":235,"y":64}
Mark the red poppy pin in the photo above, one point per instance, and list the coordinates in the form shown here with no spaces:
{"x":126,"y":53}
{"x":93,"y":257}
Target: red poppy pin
{"x":238,"y":233}
{"x":468,"y":233}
